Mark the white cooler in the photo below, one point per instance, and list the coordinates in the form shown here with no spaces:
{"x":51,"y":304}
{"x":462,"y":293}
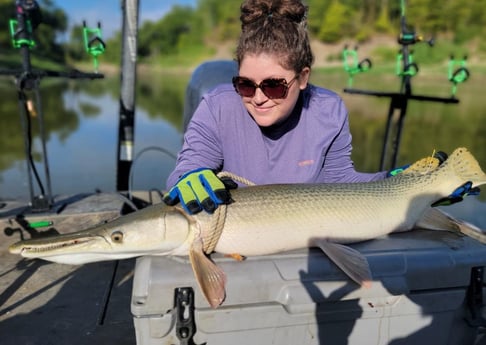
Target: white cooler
{"x":427,"y":289}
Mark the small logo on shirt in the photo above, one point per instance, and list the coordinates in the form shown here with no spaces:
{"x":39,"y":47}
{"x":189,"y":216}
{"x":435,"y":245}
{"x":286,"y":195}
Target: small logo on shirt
{"x":306,"y":162}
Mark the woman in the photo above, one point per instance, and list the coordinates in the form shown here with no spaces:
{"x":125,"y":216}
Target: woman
{"x":271,"y":125}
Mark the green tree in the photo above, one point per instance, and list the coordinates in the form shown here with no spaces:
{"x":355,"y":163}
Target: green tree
{"x":187,"y":30}
{"x":220,"y":19}
{"x":383,"y":23}
{"x":146,"y":35}
{"x":466,"y":20}
{"x":317,"y":9}
{"x":338,"y":22}
{"x":54,"y":22}
{"x":175,"y":24}
{"x":75,"y":46}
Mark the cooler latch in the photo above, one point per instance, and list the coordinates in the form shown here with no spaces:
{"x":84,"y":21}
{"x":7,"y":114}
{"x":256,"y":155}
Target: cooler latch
{"x":475,"y":298}
{"x":185,"y":322}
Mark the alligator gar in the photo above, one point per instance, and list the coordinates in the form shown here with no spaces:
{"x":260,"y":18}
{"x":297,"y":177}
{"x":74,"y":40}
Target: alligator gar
{"x":268,"y":219}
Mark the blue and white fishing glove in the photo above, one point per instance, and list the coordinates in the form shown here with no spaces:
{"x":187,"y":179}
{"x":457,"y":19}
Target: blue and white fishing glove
{"x":200,"y":189}
{"x":458,"y":195}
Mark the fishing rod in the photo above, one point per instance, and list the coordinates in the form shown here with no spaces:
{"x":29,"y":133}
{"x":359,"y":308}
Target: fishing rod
{"x":408,"y":37}
{"x":406,"y":69}
{"x":28,"y":17}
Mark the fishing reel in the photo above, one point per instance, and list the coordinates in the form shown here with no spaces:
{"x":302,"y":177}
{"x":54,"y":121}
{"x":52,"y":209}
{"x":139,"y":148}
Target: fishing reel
{"x":405,"y":64}
{"x":410,"y":37}
{"x":29,"y":7}
{"x":30,"y":10}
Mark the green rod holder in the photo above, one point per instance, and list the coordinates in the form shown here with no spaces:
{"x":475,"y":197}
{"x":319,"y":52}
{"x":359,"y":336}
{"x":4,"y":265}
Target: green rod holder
{"x":19,"y":42}
{"x":352,"y":65}
{"x":457,"y":72}
{"x":93,"y":43}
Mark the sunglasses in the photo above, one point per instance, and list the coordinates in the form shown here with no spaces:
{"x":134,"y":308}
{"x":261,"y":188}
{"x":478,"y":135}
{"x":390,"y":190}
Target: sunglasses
{"x":273,"y":88}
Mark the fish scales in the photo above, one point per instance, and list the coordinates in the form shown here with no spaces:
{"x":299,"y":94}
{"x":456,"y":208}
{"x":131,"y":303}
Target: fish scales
{"x":270,"y":219}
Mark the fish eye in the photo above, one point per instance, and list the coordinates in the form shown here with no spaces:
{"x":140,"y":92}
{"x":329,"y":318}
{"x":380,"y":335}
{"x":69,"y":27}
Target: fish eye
{"x":117,"y":236}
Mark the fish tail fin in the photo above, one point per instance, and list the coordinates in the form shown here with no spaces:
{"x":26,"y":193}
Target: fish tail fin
{"x":465,"y":166}
{"x":435,"y":219}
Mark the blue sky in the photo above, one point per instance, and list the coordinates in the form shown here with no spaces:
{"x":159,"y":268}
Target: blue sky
{"x":108,"y":12}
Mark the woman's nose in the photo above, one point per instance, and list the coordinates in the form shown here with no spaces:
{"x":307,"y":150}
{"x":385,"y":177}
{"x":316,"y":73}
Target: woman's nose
{"x":259,"y":96}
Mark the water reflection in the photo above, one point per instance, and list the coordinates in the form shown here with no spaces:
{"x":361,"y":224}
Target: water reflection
{"x":81,"y":119}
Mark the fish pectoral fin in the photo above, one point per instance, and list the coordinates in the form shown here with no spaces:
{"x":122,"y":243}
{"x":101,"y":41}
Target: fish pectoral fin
{"x":352,"y":262}
{"x":210,"y":277}
{"x":436,"y":219}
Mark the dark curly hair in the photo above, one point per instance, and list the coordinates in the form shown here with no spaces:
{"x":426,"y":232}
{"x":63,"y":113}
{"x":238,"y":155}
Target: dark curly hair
{"x":276,"y":27}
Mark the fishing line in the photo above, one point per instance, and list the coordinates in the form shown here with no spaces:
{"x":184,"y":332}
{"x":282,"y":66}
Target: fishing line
{"x":23,"y":101}
{"x":137,"y":156}
{"x":107,"y":295}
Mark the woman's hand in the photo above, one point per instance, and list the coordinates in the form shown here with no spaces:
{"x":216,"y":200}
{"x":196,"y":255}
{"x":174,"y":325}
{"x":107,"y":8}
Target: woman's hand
{"x":200,"y":189}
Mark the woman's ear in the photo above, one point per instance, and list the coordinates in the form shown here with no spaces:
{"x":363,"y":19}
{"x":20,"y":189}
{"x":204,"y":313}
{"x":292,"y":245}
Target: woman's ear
{"x":304,"y":76}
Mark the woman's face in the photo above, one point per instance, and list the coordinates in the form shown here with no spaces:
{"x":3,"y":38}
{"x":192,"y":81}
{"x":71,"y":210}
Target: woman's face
{"x":266,"y":111}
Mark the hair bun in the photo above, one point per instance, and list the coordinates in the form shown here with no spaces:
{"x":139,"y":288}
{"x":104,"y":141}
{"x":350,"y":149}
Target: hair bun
{"x":261,"y":10}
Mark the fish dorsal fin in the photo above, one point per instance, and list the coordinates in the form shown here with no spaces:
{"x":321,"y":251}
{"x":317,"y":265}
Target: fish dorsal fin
{"x":423,"y":166}
{"x":352,"y":262}
{"x":210,"y":277}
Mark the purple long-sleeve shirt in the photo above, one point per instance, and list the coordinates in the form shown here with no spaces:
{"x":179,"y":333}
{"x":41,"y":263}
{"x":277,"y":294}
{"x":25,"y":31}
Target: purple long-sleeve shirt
{"x":313,"y":145}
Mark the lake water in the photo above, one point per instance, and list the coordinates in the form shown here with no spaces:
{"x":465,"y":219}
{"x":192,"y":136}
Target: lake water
{"x":81,"y":120}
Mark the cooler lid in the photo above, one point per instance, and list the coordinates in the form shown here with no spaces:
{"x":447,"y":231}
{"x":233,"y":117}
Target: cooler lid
{"x":401,"y":263}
